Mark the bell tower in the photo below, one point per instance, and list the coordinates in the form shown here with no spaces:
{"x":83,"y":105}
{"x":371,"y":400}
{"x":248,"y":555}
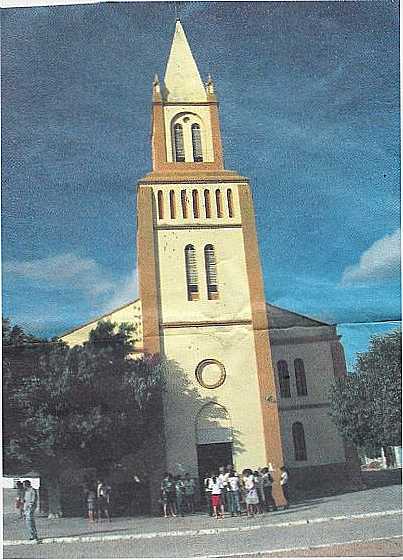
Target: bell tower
{"x":201,"y":284}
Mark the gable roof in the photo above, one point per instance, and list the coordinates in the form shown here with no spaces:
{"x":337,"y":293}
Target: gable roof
{"x":97,"y":319}
{"x":280,"y":318}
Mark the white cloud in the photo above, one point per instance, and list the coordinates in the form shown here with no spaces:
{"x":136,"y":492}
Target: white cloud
{"x":63,"y":271}
{"x":72,"y":272}
{"x":380,"y":261}
{"x":124,"y":291}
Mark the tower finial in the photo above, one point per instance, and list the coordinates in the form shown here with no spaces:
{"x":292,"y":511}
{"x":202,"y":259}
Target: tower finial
{"x":176,"y":11}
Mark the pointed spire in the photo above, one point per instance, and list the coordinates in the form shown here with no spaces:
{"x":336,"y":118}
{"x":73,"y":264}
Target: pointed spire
{"x":182,"y":78}
{"x":156,"y":89}
{"x":210,"y":84}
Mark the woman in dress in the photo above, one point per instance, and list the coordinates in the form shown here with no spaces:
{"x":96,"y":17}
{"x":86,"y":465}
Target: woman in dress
{"x":251,"y":497}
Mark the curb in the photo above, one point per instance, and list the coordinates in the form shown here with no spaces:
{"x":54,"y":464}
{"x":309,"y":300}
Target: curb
{"x":261,"y":553}
{"x":201,"y":532}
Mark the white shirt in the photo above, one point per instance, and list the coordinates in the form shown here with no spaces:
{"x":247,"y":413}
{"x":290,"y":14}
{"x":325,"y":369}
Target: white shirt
{"x":216,"y":487}
{"x":233,"y":483}
{"x":284,"y":478}
{"x":249,"y":482}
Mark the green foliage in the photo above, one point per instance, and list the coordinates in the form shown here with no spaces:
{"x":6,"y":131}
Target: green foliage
{"x":89,"y":404}
{"x":367,"y":406}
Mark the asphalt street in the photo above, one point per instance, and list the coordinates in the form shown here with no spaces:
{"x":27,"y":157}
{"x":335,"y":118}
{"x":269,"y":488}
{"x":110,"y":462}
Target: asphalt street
{"x":245,"y":542}
{"x":348,"y":518}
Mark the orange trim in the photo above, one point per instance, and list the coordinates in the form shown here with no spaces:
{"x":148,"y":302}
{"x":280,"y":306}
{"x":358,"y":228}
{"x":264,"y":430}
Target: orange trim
{"x":267,"y":385}
{"x":158,"y":142}
{"x":216,"y":134}
{"x":147,"y":270}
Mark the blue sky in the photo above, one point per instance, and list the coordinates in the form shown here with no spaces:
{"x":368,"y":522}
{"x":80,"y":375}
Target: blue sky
{"x":309,"y":101}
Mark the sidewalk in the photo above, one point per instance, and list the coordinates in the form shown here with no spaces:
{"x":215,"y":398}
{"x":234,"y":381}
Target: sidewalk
{"x":372,"y":502}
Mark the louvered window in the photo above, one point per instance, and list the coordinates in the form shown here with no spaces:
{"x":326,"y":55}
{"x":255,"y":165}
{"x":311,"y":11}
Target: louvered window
{"x":179,"y":145}
{"x":207,"y":204}
{"x":211,"y":272}
{"x":196,"y":143}
{"x":191,"y":273}
{"x":283,"y":379}
{"x":172,"y":204}
{"x":160,"y":200}
{"x":300,"y":377}
{"x":230,"y":203}
{"x":298,"y":437}
{"x":184,"y":202}
{"x":195,"y":199}
{"x":218,"y":201}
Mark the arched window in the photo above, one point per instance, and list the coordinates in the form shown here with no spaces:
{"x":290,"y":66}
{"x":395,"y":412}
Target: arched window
{"x":184,"y":202}
{"x":211,"y":272}
{"x":191,"y":273}
{"x":300,"y":378}
{"x":195,"y":199}
{"x":178,"y":141}
{"x":160,"y":200}
{"x":230,"y":203}
{"x":218,"y":203}
{"x":196,"y":143}
{"x":207,"y":204}
{"x":172,"y":204}
{"x":298,"y":437}
{"x":283,"y":379}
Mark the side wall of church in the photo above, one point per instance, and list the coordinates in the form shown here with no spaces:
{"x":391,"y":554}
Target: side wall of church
{"x":324,"y":445}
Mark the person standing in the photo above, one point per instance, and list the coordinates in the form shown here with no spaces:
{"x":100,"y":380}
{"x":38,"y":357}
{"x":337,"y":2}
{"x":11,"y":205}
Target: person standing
{"x":19,"y":501}
{"x":284,"y":485}
{"x":234,"y":493}
{"x":168,"y":495}
{"x":189,"y":486}
{"x":251,"y":497}
{"x":259,"y":489}
{"x":180,"y":495}
{"x":216,"y":498}
{"x":91,"y":504}
{"x":30,"y":503}
{"x":223,"y":478}
{"x":207,"y":493}
{"x":268,"y":490}
{"x":104,"y":500}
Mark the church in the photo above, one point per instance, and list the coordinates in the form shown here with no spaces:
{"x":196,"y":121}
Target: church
{"x":251,"y":382}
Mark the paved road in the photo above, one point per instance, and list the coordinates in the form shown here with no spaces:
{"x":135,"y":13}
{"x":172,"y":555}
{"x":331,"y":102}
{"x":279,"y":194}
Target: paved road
{"x":344,"y":518}
{"x":250,"y":541}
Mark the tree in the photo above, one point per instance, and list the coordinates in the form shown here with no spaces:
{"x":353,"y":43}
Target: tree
{"x":89,"y":404}
{"x":366,"y":406}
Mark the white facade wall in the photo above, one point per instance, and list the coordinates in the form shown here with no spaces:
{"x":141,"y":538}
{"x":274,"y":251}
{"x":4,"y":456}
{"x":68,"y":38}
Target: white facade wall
{"x":234,"y":347}
{"x":211,"y":337}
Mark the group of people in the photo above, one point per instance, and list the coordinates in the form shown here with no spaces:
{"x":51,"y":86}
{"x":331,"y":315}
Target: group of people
{"x":26,"y":503}
{"x":177,"y":494}
{"x":98,"y":501}
{"x":224,"y":491}
{"x":228,"y":491}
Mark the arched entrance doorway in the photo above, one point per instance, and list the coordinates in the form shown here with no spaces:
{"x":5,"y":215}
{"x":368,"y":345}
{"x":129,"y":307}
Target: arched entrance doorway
{"x":214,"y":439}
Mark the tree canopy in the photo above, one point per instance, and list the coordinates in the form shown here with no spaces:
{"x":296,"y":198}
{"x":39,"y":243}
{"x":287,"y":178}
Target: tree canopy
{"x":91,"y":404}
{"x":366,"y":406}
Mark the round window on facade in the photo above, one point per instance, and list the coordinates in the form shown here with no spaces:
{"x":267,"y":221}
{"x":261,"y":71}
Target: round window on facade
{"x":210,"y":374}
